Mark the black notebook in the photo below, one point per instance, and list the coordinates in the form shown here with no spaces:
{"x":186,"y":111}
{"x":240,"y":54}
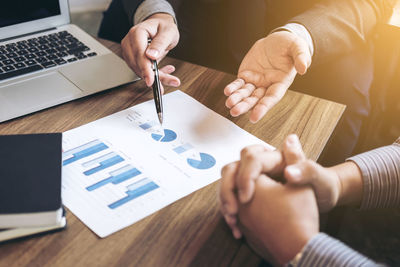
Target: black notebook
{"x":23,"y":232}
{"x":30,"y":180}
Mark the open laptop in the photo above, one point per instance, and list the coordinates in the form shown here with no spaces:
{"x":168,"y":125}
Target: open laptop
{"x":45,"y":61}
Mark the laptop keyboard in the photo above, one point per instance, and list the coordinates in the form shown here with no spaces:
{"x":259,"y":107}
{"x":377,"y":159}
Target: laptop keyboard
{"x":41,"y":53}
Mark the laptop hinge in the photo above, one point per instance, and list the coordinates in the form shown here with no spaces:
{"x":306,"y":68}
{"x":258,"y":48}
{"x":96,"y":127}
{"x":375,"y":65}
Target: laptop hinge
{"x":26,"y":34}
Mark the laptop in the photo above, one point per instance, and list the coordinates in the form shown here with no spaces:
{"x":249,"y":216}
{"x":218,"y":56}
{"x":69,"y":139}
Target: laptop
{"x":46,"y":61}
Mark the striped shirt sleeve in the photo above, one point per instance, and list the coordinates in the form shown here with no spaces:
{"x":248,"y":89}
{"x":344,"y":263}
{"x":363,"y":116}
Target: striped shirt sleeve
{"x":380,"y":170}
{"x":324,"y":251}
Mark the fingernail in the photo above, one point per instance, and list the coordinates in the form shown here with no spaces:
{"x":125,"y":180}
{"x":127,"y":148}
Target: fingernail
{"x":236,"y":234}
{"x":292,"y":139}
{"x":173,"y":83}
{"x":294,"y":172}
{"x":230,"y":220}
{"x":152,"y":53}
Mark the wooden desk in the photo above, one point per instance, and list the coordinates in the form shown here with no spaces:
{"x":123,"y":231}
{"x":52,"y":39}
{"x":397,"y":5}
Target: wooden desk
{"x":190,"y":231}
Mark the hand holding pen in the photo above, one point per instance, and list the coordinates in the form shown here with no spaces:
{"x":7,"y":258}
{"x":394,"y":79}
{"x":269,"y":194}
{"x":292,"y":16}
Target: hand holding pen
{"x":136,"y":51}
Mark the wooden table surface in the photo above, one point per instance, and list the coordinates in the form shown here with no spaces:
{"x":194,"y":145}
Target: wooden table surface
{"x":190,"y":231}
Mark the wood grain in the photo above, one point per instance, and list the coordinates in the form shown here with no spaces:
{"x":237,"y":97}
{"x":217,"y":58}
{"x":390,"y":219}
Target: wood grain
{"x":190,"y":231}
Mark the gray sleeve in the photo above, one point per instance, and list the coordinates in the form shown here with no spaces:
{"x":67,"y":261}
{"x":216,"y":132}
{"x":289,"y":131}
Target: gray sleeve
{"x":380,"y":170}
{"x":323,"y":250}
{"x":150,"y":7}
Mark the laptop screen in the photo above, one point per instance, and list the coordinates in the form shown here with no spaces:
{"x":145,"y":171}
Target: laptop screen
{"x":19,"y":11}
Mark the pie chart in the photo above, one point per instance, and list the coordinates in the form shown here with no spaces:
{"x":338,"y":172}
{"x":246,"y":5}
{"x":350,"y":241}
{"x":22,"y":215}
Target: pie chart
{"x":206,"y":162}
{"x":168,"y":136}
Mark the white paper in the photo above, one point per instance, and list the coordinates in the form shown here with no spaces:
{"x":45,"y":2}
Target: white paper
{"x":128,"y":154}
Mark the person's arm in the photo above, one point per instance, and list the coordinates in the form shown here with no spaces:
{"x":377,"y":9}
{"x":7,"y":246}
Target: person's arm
{"x":339,"y":26}
{"x":153,"y":20}
{"x":380,"y":170}
{"x":323,"y":250}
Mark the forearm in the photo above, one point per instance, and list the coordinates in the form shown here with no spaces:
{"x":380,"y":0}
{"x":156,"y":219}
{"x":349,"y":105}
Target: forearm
{"x":323,"y":250}
{"x":340,"y":26}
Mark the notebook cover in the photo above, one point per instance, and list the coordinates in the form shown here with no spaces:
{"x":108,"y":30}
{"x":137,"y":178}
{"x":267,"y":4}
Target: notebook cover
{"x":30,"y":173}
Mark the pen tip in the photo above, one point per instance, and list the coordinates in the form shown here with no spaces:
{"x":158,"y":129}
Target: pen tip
{"x":160,"y":118}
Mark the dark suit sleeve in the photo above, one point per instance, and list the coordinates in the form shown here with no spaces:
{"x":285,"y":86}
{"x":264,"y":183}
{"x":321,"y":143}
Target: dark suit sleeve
{"x":340,"y":26}
{"x":130,"y":7}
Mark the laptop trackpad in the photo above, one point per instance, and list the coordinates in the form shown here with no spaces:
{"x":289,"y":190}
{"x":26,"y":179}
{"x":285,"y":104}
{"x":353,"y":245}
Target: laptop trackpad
{"x":36,"y":93}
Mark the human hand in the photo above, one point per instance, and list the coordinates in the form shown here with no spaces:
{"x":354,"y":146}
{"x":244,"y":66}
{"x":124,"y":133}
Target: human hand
{"x":164,"y":33}
{"x":266,"y":72}
{"x":238,"y":178}
{"x":279,"y":220}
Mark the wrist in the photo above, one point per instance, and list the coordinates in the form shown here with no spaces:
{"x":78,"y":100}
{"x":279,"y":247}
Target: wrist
{"x":351,"y":186}
{"x":301,"y":32}
{"x":294,"y":258}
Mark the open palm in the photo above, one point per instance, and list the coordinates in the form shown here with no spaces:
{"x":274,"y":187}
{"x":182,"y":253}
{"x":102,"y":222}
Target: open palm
{"x":265,"y":74}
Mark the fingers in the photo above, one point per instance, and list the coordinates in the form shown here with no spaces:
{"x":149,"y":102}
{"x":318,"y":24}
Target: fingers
{"x":304,"y":172}
{"x":254,"y":161}
{"x":166,"y":39}
{"x":239,"y":94}
{"x":227,"y":197}
{"x":292,"y":150}
{"x":134,"y":46}
{"x":272,"y":96}
{"x":138,"y":54}
{"x":301,"y":55}
{"x":325,"y":184}
{"x":247,"y":103}
{"x":166,"y":78}
{"x":233,"y":86}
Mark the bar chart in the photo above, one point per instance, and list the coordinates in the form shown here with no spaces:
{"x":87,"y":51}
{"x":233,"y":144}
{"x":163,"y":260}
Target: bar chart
{"x":83,"y":151}
{"x":135,"y":190}
{"x":101,"y":163}
{"x":118,"y":176}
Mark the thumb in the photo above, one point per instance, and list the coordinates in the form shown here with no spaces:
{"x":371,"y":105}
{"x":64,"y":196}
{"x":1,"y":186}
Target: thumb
{"x":326,"y":187}
{"x":301,"y":55}
{"x":292,"y":150}
{"x":304,"y":172}
{"x":161,"y":44}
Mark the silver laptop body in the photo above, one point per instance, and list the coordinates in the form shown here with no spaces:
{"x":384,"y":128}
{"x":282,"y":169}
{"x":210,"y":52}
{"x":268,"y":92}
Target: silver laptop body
{"x":46,"y":61}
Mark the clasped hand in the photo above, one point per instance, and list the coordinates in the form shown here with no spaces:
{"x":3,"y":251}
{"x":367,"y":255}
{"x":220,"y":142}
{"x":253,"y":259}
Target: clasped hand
{"x":272,"y":197}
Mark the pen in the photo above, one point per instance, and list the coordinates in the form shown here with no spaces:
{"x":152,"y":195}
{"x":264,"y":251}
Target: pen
{"x":157,"y":91}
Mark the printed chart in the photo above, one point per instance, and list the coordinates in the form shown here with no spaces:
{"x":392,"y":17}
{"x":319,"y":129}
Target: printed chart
{"x":124,"y":167}
{"x":102,"y":164}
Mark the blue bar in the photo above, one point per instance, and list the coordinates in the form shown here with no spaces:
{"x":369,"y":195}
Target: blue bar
{"x":183,"y":148}
{"x":117,"y":176}
{"x":83,"y":151}
{"x":147,"y":125}
{"x":126,"y":175}
{"x":135,"y":192}
{"x":108,"y":161}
